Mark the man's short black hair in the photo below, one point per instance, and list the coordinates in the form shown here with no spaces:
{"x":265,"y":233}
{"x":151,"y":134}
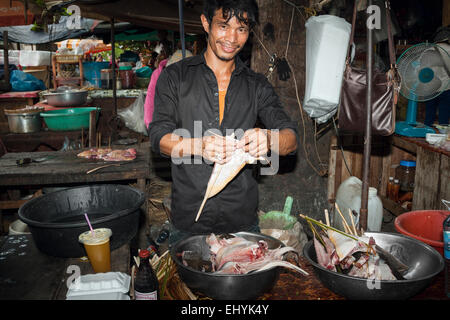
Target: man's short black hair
{"x":232,"y":8}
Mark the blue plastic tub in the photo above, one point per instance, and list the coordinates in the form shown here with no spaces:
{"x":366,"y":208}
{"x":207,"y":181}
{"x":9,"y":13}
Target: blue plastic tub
{"x":91,"y":71}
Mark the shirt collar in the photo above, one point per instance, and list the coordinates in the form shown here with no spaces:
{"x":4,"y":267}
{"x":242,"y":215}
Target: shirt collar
{"x":200,"y":59}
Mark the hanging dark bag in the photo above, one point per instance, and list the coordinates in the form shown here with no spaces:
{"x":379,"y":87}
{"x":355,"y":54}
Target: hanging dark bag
{"x":352,"y":108}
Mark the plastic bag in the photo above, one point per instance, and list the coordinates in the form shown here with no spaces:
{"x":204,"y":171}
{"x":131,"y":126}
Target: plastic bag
{"x":133,"y":116}
{"x":22,"y":81}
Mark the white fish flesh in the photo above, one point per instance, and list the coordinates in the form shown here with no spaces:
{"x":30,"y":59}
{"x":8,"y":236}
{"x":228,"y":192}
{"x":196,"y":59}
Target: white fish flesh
{"x":223,"y":173}
{"x":357,"y":258}
{"x":239,"y":256}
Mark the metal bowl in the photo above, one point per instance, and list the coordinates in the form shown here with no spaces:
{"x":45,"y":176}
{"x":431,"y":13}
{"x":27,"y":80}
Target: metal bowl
{"x":225,"y":286}
{"x":66,"y":97}
{"x":423,"y":261}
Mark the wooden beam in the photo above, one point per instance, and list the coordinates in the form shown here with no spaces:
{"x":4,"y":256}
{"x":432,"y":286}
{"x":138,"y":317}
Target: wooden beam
{"x":445,"y":13}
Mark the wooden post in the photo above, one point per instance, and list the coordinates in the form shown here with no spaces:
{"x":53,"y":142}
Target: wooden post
{"x":445,"y":12}
{"x":92,"y":131}
{"x":113,"y":58}
{"x":363,"y":213}
{"x":6,"y":55}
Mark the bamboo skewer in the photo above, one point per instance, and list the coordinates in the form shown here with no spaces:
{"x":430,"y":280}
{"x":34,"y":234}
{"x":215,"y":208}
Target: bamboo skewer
{"x":353,"y":222}
{"x":346,"y":226}
{"x":327,"y":227}
{"x":327,"y":218}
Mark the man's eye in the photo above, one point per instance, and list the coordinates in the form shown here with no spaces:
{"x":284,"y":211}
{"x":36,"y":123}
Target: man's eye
{"x":242,"y":30}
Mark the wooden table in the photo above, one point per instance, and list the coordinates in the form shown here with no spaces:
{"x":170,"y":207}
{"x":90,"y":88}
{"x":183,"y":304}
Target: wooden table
{"x":65,"y":168}
{"x":294,"y":286}
{"x":28,"y":96}
{"x":27,"y":273}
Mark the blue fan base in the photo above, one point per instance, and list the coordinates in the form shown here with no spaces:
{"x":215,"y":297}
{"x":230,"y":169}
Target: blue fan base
{"x":415,"y":130}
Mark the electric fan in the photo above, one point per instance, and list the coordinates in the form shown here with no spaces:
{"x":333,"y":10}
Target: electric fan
{"x":424,"y":71}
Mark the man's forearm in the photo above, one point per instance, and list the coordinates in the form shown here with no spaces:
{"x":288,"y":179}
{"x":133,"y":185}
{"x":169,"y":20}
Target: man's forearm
{"x":174,"y":145}
{"x":282,"y":142}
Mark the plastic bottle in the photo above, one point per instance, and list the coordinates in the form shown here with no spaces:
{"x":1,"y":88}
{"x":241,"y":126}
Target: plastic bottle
{"x":146,"y":285}
{"x":349,"y":196}
{"x":389,"y":188}
{"x":395,"y":190}
{"x":446,"y":228}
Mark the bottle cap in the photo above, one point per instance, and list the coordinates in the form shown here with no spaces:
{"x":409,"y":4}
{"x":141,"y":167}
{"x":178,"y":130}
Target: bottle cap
{"x":391,"y":178}
{"x":144,"y":254}
{"x":408,"y":163}
{"x":396,"y":181}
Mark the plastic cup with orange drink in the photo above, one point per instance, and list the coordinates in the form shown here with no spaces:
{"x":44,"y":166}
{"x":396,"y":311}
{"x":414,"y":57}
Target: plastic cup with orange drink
{"x":96,"y":243}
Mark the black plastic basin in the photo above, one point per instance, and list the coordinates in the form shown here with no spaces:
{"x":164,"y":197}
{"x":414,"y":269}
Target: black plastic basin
{"x":57,"y":219}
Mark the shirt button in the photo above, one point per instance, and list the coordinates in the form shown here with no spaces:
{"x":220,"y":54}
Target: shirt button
{"x":216,"y":94}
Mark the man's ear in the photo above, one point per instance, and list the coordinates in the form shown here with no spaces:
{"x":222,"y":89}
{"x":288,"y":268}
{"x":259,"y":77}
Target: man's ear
{"x":205,"y":23}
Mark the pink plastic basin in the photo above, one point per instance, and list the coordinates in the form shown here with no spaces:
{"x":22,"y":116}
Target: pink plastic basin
{"x":423,"y":225}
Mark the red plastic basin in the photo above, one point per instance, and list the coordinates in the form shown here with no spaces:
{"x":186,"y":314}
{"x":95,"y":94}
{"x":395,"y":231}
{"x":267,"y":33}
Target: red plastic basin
{"x":423,"y":225}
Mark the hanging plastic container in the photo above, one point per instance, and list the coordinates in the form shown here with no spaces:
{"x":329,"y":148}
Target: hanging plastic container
{"x":349,"y":196}
{"x":327,"y":40}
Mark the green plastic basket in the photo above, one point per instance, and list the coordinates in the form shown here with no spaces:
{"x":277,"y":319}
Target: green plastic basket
{"x":68,"y":119}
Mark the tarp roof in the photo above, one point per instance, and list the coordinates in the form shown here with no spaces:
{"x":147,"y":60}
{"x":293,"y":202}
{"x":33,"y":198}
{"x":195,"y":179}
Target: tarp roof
{"x":57,"y":32}
{"x":154,"y":14}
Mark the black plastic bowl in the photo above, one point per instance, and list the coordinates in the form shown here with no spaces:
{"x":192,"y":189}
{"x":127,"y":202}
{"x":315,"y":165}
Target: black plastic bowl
{"x":57,"y":219}
{"x":225,"y":286}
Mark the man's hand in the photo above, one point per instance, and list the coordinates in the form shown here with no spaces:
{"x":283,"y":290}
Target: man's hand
{"x":255,"y":141}
{"x":218,"y":149}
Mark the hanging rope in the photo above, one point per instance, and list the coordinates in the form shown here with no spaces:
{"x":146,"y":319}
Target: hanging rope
{"x":285,"y":57}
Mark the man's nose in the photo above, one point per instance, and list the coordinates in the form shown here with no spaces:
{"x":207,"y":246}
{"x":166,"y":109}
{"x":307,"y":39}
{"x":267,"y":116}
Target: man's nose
{"x":231,"y":36}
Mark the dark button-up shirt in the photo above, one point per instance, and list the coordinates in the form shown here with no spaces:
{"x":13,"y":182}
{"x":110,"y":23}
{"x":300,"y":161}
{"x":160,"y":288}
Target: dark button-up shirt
{"x":187,"y":92}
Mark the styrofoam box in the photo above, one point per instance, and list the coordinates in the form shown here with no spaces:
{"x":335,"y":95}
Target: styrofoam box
{"x":100,"y":286}
{"x":13,"y":57}
{"x":30,"y":58}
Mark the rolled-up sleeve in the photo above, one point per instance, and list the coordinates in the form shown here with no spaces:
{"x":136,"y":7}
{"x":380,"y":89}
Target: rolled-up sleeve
{"x":165,"y":114}
{"x":270,"y":109}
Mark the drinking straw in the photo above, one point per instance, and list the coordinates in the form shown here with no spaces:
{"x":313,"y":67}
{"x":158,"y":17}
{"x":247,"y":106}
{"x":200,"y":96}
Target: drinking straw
{"x":89,"y":223}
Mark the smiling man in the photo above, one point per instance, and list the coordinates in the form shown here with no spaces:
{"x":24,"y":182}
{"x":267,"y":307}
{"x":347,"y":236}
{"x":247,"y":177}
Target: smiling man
{"x":215,"y":91}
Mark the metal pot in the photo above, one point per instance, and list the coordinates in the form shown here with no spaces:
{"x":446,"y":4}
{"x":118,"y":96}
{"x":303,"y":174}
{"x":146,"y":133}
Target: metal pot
{"x":423,"y":261}
{"x":25,"y":122}
{"x":63,"y":97}
{"x":225,"y":286}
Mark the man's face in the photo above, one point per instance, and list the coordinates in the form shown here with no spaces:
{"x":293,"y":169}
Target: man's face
{"x":225,"y":38}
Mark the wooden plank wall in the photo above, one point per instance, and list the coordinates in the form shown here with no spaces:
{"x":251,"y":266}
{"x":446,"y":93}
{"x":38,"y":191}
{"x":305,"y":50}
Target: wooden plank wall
{"x":383,"y":161}
{"x":445,"y":12}
{"x":432,"y":180}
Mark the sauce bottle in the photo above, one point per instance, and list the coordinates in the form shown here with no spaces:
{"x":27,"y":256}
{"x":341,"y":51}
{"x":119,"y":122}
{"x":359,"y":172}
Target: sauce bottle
{"x":146,"y":285}
{"x":389,"y":188}
{"x":395,"y":190}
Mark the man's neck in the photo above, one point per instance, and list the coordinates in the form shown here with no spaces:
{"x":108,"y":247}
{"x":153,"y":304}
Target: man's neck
{"x":217,"y":65}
